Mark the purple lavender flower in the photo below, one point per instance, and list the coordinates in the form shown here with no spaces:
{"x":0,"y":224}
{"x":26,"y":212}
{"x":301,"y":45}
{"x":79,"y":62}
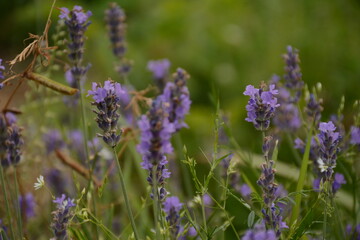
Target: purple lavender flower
{"x":27,"y":205}
{"x":53,"y":140}
{"x":106,"y":100}
{"x":57,"y":181}
{"x":353,"y":232}
{"x":115,"y":21}
{"x":259,"y":233}
{"x":329,"y":142}
{"x":172,"y":207}
{"x":77,"y":23}
{"x":155,"y":143}
{"x":273,"y":219}
{"x":245,"y":190}
{"x":13,"y":144}
{"x":261,"y":106}
{"x":2,"y":68}
{"x":339,"y":180}
{"x":176,"y":96}
{"x":160,"y":71}
{"x":293,"y":72}
{"x":287,"y":117}
{"x":267,"y":184}
{"x":313,"y":108}
{"x":355,"y":135}
{"x":61,"y":217}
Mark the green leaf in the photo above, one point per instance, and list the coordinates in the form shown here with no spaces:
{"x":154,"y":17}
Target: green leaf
{"x":251,"y":219}
{"x":305,"y":223}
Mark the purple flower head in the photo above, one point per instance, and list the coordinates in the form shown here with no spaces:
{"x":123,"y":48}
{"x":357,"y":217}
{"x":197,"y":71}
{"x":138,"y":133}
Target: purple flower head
{"x":292,"y":70}
{"x":329,"y":142}
{"x":57,"y":181}
{"x":172,"y":207}
{"x":245,"y":190}
{"x":160,"y":71}
{"x":62,"y":216}
{"x":259,"y":233}
{"x":287,"y":117}
{"x":355,"y":135}
{"x":11,"y":147}
{"x":10,"y":118}
{"x":273,"y":219}
{"x":53,"y":140}
{"x":261,"y":106}
{"x":156,"y":131}
{"x":313,"y":108}
{"x":177,"y":98}
{"x":77,"y":23}
{"x":107,"y":102}
{"x":27,"y":205}
{"x":339,"y":180}
{"x":115,"y":22}
{"x":266,"y":182}
{"x":2,"y":68}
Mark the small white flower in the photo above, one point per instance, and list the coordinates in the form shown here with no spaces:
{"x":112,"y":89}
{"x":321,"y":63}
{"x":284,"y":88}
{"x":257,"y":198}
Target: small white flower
{"x":40,"y":183}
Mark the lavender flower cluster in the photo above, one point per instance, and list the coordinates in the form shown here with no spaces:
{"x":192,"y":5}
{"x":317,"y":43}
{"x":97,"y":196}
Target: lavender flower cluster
{"x":10,"y":141}
{"x":156,"y":131}
{"x":106,"y":100}
{"x":261,"y":106}
{"x":77,"y":23}
{"x":61,"y":217}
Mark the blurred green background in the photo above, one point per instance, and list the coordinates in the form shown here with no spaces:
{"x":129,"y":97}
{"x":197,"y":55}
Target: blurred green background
{"x":224,"y":45}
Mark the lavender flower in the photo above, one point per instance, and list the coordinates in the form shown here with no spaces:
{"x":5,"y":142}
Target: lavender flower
{"x":261,"y":106}
{"x":155,"y":143}
{"x":287,"y":117}
{"x":106,"y":100}
{"x":266,"y":182}
{"x":355,"y":135}
{"x":273,"y":218}
{"x":2,"y":68}
{"x":293,"y":74}
{"x":77,"y":23}
{"x":329,"y":141}
{"x":245,"y":190}
{"x":27,"y":205}
{"x":313,"y":108}
{"x":115,"y":21}
{"x":61,"y":217}
{"x":160,"y":71}
{"x":176,"y":95}
{"x":57,"y":181}
{"x":172,"y":207}
{"x":259,"y":233}
{"x":339,"y":180}
{"x":12,"y":145}
{"x":353,"y":232}
{"x":53,"y":140}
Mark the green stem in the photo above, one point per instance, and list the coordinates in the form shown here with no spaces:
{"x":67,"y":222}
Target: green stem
{"x":84,"y":126}
{"x":302,"y":177}
{"x":325,"y":218}
{"x":18,"y":209}
{"x":184,"y":170}
{"x":123,"y":188}
{"x":6,"y":201}
{"x":156,"y":199}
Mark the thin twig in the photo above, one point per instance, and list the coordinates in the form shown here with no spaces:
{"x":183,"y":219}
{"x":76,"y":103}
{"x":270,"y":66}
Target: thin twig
{"x":76,"y":167}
